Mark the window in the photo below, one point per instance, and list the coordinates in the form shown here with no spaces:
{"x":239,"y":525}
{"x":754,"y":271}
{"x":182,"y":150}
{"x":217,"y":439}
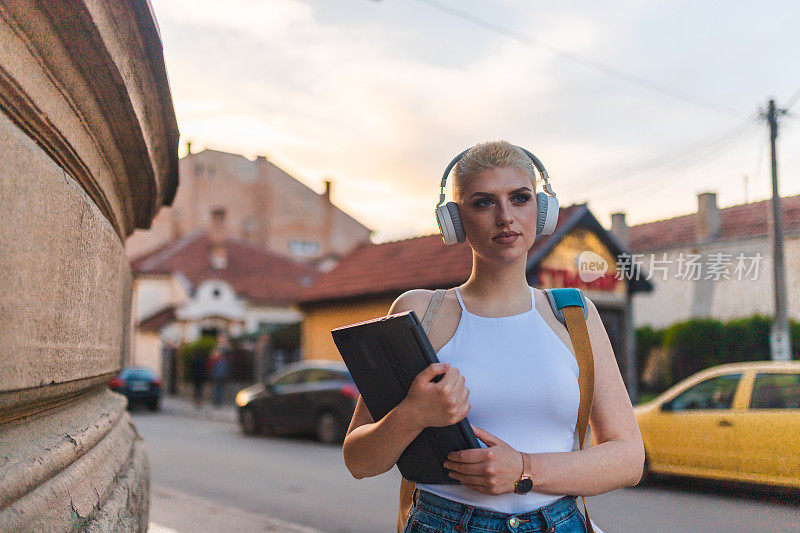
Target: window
{"x":293,"y":378}
{"x":303,"y":247}
{"x":323,"y":374}
{"x":713,"y":393}
{"x":776,"y":391}
{"x":137,"y":373}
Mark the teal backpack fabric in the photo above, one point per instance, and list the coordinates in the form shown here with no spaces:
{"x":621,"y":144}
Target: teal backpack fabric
{"x":560,"y":298}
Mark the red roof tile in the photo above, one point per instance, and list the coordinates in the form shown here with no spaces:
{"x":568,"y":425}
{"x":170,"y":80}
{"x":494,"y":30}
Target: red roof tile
{"x":397,"y":266}
{"x":158,"y":319}
{"x":736,"y":222}
{"x":256,"y":274}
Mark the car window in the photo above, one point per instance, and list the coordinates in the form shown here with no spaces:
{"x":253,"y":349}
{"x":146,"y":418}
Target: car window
{"x":776,"y":391}
{"x":712,"y":393}
{"x":320,"y":374}
{"x":137,"y":373}
{"x":292,"y":378}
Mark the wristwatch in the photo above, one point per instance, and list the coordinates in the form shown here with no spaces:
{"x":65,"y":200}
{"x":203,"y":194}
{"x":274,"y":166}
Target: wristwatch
{"x":524,"y":484}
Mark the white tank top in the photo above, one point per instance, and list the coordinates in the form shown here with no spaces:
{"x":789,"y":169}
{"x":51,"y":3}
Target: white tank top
{"x":523,"y":388}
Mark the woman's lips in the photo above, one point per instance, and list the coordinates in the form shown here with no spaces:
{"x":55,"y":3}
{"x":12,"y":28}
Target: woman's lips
{"x":505,"y":240}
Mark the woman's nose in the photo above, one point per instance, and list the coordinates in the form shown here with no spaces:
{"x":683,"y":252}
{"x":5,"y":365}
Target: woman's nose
{"x":503,"y":214}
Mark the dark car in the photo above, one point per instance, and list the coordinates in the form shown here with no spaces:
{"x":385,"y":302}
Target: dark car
{"x":140,"y":385}
{"x":314,"y":397}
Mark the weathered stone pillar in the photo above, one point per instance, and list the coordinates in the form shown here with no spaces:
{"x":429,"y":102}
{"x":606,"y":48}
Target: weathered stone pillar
{"x":88,"y":153}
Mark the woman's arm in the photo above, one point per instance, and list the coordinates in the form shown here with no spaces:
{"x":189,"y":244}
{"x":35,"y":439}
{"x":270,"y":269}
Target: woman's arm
{"x":371,"y":448}
{"x":615,"y":461}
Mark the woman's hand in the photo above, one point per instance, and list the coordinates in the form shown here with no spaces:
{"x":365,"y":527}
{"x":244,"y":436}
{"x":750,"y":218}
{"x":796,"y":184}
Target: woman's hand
{"x":438,"y":404}
{"x":492,"y":470}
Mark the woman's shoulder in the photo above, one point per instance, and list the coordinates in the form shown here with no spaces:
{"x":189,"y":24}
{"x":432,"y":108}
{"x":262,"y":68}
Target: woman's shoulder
{"x":416,"y":300}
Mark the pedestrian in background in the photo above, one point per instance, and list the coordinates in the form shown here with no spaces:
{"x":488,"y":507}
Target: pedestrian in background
{"x":219,"y":369}
{"x":197,"y":369}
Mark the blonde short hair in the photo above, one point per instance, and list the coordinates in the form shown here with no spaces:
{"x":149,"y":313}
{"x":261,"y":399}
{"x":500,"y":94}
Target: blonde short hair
{"x":487,"y":155}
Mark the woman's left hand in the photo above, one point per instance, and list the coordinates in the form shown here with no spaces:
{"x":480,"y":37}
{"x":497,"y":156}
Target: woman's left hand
{"x":491,"y":470}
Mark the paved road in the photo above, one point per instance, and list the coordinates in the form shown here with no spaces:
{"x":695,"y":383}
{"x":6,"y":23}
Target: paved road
{"x":305,"y":482}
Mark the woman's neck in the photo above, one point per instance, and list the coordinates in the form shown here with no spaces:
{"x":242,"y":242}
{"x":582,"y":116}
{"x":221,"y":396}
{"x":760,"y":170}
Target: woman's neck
{"x":498,"y":289}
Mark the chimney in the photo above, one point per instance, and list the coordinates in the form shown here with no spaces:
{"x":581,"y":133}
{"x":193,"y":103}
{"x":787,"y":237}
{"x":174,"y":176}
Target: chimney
{"x":619,"y":228}
{"x":217,"y":235}
{"x":328,"y":190}
{"x":707,"y":216}
{"x":188,"y":147}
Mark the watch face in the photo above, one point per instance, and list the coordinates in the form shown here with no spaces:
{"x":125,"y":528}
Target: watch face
{"x":523,"y":486}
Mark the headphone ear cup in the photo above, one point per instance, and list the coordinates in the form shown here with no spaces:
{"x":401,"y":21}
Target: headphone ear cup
{"x":547,"y":213}
{"x":450,"y":223}
{"x":458,"y":227}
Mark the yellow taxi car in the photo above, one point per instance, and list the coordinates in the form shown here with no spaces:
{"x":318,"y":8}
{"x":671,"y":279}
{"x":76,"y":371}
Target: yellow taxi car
{"x":738,"y":421}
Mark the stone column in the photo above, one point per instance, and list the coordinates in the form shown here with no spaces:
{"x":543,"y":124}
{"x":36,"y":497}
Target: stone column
{"x":88,"y":153}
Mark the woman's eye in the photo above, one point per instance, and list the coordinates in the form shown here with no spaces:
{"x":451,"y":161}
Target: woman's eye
{"x":520,"y":198}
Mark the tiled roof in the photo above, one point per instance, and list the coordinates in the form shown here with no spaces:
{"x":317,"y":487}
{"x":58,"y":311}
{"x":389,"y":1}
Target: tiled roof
{"x":736,"y":222}
{"x":256,"y":274}
{"x":397,"y":266}
{"x":158,"y":319}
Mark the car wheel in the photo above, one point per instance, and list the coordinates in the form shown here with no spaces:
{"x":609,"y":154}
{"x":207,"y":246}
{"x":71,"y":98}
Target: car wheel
{"x":328,"y":428}
{"x":153,"y":405}
{"x":249,"y":422}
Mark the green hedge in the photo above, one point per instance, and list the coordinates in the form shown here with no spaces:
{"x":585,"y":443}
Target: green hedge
{"x":699,"y":343}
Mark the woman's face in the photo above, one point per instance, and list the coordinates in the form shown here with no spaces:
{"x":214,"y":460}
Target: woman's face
{"x":499,"y":200}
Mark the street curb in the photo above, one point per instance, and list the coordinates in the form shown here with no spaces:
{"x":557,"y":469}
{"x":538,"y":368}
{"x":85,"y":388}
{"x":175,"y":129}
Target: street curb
{"x":179,"y":407}
{"x":177,"y":512}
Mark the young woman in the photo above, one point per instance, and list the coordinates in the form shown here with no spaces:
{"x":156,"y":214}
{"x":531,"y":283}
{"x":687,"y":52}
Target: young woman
{"x":509,"y":364}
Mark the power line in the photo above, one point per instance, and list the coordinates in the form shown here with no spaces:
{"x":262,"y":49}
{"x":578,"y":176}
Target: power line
{"x":682,"y":164}
{"x":674,"y":157}
{"x":588,"y":63}
{"x":791,"y":101}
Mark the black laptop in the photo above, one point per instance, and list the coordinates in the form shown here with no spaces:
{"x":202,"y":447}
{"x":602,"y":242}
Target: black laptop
{"x":384,"y":355}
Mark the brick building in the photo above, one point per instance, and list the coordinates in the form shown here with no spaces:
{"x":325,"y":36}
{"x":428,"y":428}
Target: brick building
{"x":713,"y":263}
{"x":265,"y":206}
{"x":208,"y":282}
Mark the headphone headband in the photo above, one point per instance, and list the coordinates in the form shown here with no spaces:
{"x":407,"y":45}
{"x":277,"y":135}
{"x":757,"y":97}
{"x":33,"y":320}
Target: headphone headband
{"x":536,"y":163}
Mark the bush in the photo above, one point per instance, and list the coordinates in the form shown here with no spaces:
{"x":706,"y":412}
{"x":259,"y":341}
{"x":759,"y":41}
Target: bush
{"x":747,"y":339}
{"x":203,"y":345}
{"x":696,"y":344}
{"x":693,"y":345}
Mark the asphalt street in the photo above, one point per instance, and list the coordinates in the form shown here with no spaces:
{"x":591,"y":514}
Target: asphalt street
{"x":305,"y":482}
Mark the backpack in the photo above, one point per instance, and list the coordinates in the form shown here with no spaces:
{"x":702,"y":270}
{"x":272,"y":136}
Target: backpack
{"x":566,"y":304}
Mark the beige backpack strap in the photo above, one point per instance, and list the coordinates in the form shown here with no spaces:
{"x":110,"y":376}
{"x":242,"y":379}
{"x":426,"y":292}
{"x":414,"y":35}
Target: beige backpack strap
{"x":407,"y":487}
{"x":579,"y":335}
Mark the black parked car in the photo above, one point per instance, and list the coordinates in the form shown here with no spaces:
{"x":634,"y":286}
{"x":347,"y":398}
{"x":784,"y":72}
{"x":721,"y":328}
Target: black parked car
{"x":139,"y":385}
{"x":313,"y":396}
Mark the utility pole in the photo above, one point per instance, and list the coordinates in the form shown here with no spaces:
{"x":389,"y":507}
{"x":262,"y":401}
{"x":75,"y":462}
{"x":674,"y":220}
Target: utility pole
{"x":780,"y":344}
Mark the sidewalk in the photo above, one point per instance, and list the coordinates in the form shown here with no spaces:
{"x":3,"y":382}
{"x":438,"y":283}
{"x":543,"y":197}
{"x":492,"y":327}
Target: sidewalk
{"x":174,"y":512}
{"x":178,"y":406}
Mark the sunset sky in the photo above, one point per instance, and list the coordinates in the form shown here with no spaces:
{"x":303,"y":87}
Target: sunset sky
{"x":379,"y":96}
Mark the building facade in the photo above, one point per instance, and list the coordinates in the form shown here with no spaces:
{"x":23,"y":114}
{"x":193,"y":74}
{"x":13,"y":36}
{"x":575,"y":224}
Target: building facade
{"x":88,"y":153}
{"x":265,"y":207}
{"x":208,"y":282}
{"x":713,"y":263}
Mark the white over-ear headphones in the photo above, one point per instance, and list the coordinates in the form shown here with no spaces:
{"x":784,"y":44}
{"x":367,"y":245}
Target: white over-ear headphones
{"x":450,"y":222}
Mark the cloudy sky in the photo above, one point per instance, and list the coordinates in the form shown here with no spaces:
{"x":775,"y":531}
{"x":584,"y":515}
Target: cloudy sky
{"x":633,"y":106}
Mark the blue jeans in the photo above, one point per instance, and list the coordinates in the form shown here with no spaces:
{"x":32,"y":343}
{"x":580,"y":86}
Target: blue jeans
{"x":433,"y":514}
